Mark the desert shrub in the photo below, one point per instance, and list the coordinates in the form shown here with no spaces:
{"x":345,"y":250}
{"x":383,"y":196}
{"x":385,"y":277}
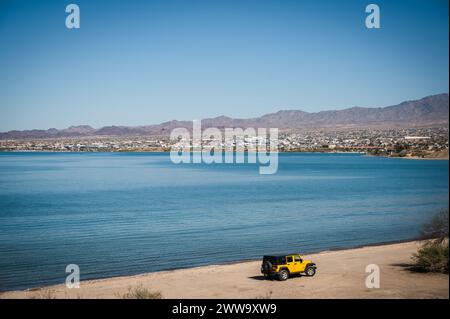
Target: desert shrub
{"x":141,"y":293}
{"x":437,"y":228}
{"x":432,"y":257}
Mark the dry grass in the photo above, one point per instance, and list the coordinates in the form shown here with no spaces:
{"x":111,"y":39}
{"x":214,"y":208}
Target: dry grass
{"x":141,"y":292}
{"x":44,"y":294}
{"x":268,"y":295}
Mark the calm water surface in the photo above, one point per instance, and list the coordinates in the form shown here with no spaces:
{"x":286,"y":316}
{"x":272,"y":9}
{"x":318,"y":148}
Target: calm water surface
{"x":126,"y":213}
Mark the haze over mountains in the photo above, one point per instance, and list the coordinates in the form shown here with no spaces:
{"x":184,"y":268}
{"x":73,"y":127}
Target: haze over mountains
{"x":429,"y":111}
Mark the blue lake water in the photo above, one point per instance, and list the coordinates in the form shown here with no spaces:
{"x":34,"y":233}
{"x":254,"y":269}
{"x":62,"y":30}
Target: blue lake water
{"x":126,"y":213}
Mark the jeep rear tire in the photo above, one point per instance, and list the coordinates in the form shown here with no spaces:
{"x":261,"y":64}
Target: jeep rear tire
{"x":283,"y":275}
{"x":310,"y":271}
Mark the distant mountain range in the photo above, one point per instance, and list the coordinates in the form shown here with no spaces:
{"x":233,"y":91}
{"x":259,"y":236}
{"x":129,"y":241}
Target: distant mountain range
{"x":429,"y":111}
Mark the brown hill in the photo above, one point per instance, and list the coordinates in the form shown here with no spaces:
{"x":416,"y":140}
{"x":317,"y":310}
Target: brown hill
{"x":429,"y":111}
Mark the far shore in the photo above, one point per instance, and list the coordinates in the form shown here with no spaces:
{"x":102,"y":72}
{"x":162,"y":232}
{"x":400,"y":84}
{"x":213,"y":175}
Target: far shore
{"x":341,"y":274}
{"x":438,"y":157}
{"x":426,"y":158}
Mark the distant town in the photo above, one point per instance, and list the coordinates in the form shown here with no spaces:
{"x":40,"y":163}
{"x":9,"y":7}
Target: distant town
{"x":392,"y":142}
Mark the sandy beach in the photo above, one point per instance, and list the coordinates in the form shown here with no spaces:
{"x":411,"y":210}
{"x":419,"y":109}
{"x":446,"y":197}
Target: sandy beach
{"x":341,"y":274}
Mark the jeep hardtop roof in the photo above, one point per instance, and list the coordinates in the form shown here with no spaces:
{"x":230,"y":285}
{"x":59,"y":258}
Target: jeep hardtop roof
{"x":279,"y":256}
{"x":277,"y":260}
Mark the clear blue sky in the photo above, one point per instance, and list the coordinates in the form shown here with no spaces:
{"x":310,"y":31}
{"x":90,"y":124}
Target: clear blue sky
{"x":144,"y":62}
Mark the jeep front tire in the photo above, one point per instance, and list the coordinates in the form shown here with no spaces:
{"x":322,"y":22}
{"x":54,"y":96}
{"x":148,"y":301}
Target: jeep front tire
{"x":283,"y":275}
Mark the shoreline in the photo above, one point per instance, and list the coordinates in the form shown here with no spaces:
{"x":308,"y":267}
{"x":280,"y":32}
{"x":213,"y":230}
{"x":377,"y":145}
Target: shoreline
{"x":341,"y":274}
{"x":366,"y":154}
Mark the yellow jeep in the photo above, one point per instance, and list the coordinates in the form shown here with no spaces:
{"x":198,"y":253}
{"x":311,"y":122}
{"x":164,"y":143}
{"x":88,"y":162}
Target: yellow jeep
{"x":284,"y":266}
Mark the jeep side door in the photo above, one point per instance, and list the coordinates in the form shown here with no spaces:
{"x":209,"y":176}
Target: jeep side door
{"x":290,"y":264}
{"x":298,"y":264}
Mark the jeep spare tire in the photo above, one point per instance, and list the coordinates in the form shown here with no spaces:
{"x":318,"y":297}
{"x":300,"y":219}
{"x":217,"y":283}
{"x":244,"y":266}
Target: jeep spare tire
{"x":267,"y":266}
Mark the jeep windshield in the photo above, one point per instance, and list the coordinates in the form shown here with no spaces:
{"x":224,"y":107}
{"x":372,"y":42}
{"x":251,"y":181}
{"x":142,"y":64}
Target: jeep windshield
{"x":275,"y":260}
